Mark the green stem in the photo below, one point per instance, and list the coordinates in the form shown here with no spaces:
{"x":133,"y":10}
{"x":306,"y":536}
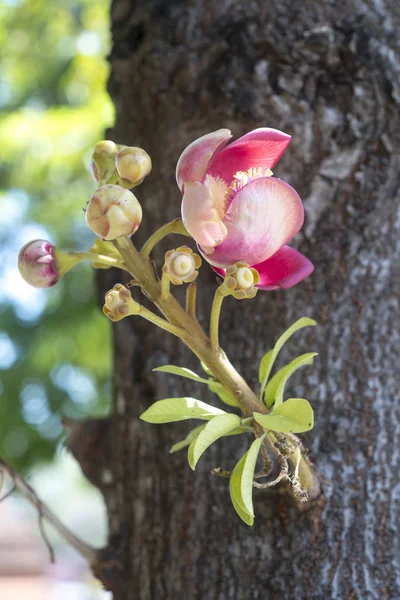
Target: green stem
{"x":192,"y":334}
{"x":186,"y":327}
{"x":175,"y":226}
{"x":214,"y":319}
{"x":191,"y":294}
{"x":100,"y":258}
{"x":160,"y":322}
{"x":165,"y":286}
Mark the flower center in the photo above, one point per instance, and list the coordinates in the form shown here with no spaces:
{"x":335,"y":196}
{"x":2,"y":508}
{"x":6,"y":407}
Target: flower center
{"x":112,"y":299}
{"x":183,"y":264}
{"x":245,"y":278}
{"x":241,"y":178}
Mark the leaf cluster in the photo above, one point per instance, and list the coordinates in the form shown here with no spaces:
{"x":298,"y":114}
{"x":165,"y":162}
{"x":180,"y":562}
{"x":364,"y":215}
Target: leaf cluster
{"x":290,"y":416}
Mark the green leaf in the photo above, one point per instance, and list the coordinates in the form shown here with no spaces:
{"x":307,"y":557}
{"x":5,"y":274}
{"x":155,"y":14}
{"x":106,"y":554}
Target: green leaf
{"x":293,"y":416}
{"x":241,"y":511}
{"x":188,"y":439}
{"x":221,"y":392}
{"x":268,"y":359}
{"x":195,"y":432}
{"x":181,"y":371}
{"x":241,"y":483}
{"x":249,"y":467}
{"x":170,"y":410}
{"x":264,"y":362}
{"x":215,"y":429}
{"x":214,"y":386}
{"x":206,"y":369}
{"x":276,"y":385}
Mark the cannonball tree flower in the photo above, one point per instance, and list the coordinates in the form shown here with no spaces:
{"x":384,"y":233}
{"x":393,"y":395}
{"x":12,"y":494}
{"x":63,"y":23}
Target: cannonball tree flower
{"x":237,"y":211}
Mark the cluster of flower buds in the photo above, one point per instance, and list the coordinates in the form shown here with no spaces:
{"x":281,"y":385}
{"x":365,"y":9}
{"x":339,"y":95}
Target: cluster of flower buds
{"x":181,"y":265}
{"x":119,"y":303}
{"x":113,"y":211}
{"x":124,"y":165}
{"x":240,"y":281}
{"x":41,"y":264}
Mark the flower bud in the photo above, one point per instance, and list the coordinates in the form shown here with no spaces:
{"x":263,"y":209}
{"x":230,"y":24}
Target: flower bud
{"x":41,"y":264}
{"x":113,"y":212}
{"x":133,"y":165}
{"x":102,"y":164}
{"x":37,"y":264}
{"x":119,"y":303}
{"x":181,"y":265}
{"x":240,"y":281}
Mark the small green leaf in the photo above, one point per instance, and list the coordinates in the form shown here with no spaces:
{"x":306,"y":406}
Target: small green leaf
{"x":276,"y":385}
{"x":215,"y":429}
{"x":170,"y":410}
{"x":264,"y":362}
{"x":221,"y":392}
{"x":188,"y":439}
{"x":268,"y":359}
{"x":181,"y":371}
{"x":241,"y":511}
{"x":241,"y":483}
{"x":293,"y":416}
{"x":206,"y":369}
{"x":214,"y":386}
{"x":249,"y":467}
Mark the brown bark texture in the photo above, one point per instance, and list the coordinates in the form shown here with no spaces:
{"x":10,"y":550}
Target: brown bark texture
{"x":328,"y":73}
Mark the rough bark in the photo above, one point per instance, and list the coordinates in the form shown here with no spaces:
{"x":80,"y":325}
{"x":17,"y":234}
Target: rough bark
{"x":327,"y":73}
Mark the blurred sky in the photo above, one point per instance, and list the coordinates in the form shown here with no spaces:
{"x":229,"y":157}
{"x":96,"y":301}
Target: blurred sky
{"x":55,"y":345}
{"x":53,"y":109}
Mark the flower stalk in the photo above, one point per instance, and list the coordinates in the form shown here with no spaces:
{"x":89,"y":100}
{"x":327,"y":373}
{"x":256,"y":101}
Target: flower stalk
{"x":175,"y":226}
{"x":214,"y":318}
{"x":191,"y":333}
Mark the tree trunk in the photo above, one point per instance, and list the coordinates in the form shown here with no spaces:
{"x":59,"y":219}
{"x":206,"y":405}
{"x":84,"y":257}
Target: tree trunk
{"x":328,"y":74}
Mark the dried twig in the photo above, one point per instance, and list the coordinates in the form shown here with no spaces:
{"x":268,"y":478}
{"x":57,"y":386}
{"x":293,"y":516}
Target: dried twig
{"x":221,"y":472}
{"x":19,"y":483}
{"x":282,"y":475}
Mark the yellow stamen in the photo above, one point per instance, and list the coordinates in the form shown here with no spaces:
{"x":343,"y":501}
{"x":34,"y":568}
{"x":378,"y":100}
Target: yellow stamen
{"x":241,"y":178}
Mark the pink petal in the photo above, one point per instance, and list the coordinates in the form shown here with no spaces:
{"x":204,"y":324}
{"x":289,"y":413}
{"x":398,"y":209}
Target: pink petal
{"x":283,"y":270}
{"x":263,"y":216}
{"x":260,"y":148}
{"x":193,"y":162}
{"x":200,"y":216}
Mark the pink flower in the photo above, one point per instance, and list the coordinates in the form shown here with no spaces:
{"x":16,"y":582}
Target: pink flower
{"x":235,"y":209}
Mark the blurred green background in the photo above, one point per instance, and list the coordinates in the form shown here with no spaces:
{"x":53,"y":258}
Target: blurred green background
{"x":55,"y":345}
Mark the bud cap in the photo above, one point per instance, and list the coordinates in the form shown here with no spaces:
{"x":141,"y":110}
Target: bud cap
{"x":119,"y":303}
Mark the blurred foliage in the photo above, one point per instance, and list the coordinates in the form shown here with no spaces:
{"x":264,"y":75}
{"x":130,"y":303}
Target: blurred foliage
{"x":55,"y":345}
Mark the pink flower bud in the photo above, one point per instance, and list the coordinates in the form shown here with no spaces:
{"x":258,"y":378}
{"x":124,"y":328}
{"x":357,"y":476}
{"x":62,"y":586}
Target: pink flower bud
{"x":37,"y":264}
{"x":113,"y":212}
